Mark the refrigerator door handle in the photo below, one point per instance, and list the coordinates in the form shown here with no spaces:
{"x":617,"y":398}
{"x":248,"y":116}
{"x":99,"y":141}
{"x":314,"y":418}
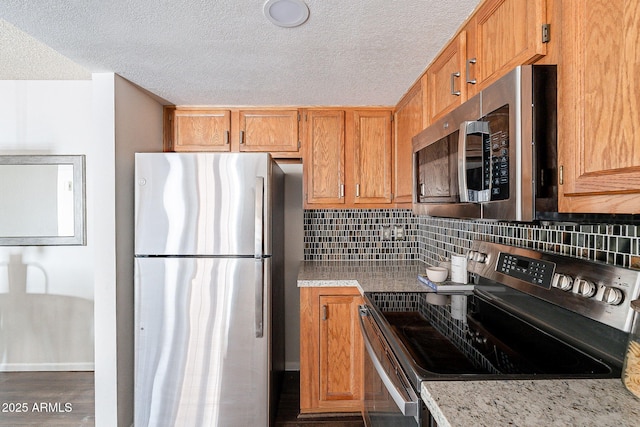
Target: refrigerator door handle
{"x":259,"y":230}
{"x":259,"y":221}
{"x":259,"y":297}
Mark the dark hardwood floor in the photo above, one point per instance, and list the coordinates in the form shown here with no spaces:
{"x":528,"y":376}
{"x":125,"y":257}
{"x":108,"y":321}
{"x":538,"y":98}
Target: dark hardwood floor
{"x":51,"y":399}
{"x":289,"y":408}
{"x":66,"y":399}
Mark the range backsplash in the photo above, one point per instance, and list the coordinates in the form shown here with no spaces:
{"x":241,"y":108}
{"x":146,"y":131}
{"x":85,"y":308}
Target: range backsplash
{"x":355,"y":234}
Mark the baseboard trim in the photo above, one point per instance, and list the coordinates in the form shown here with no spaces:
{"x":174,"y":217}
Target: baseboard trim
{"x":19,"y":367}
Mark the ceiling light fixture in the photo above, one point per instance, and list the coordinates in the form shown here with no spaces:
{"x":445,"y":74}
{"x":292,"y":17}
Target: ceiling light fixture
{"x":286,"y":13}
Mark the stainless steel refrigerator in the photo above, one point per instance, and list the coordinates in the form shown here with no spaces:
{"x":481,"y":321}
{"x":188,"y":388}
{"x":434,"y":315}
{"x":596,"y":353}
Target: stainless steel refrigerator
{"x":209,"y":332}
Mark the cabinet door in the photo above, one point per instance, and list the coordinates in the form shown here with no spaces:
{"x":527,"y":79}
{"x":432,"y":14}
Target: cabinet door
{"x":324,"y":157}
{"x":272,"y":131}
{"x":340,"y":348}
{"x":599,"y":104}
{"x":507,"y":33}
{"x":201,"y":130}
{"x":446,"y":87}
{"x":407,"y":123}
{"x":372,"y":156}
{"x":331,"y":350}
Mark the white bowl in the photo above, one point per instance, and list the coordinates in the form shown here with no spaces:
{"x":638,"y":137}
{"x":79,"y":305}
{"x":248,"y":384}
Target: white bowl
{"x":437,"y":274}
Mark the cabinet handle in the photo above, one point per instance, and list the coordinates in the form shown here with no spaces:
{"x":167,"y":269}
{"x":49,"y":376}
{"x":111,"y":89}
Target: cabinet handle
{"x":324,"y":312}
{"x":469,"y":62}
{"x":226,"y":138}
{"x":453,"y":83}
{"x":422,"y":189}
{"x":241,"y":137}
{"x":357,"y":190}
{"x":341,"y":191}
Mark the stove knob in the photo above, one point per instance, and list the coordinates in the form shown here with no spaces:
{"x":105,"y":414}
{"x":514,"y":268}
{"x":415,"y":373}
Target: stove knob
{"x":585,"y":288}
{"x":562,"y":282}
{"x":479,"y":257}
{"x":613,"y":296}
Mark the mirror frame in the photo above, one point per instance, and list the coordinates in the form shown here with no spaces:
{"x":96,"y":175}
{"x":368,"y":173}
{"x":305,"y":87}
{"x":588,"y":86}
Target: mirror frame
{"x":79,"y":231}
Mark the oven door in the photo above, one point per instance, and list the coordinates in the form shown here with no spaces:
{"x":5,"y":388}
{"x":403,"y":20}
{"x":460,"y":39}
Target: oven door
{"x":389,"y":399}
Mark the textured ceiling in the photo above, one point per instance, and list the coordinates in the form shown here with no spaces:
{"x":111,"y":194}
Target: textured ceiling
{"x":225,"y":52}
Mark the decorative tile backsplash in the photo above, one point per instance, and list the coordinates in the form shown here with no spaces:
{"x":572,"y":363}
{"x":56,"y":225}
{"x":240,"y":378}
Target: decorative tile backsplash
{"x":355,"y":234}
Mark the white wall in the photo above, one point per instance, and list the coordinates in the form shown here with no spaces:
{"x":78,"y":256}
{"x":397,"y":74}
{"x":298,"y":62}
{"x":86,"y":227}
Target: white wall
{"x":107,"y":119}
{"x":46,"y":321}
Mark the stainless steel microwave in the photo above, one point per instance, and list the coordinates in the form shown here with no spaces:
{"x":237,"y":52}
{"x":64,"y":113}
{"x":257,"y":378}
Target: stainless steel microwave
{"x":494,"y":156}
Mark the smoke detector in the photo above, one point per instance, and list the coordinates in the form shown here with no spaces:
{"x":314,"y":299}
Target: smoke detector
{"x":286,"y":13}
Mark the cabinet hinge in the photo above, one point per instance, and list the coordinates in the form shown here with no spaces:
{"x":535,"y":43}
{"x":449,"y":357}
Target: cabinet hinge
{"x":299,"y":145}
{"x":546,"y":30}
{"x":392,"y":116}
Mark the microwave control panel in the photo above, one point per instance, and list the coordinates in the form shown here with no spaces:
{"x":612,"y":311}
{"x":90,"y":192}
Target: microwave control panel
{"x":497,"y":145}
{"x":499,"y":142}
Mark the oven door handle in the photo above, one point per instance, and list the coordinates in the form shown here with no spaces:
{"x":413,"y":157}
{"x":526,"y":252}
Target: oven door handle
{"x":404,"y":397}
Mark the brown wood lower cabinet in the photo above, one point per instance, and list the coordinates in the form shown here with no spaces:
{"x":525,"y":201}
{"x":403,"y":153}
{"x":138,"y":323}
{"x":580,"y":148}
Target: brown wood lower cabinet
{"x":331,"y":350}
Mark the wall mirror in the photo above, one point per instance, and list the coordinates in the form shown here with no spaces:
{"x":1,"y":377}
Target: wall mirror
{"x":42,"y":200}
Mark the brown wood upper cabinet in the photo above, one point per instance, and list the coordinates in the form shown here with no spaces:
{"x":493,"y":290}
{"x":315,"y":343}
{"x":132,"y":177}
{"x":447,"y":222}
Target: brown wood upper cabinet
{"x":347,"y":158}
{"x":445,"y":78}
{"x":599,"y":100}
{"x":501,"y":35}
{"x":408,"y":122}
{"x":275,"y":131}
{"x":201,"y":130}
{"x":372,"y":156}
{"x":324,"y":155}
{"x":270,"y":130}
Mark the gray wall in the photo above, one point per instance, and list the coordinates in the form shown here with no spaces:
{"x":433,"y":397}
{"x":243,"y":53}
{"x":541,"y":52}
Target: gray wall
{"x":126,"y":120}
{"x":293,"y":254}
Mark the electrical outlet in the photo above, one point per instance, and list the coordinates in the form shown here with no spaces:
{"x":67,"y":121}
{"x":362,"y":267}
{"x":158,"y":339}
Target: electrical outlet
{"x":398,"y":232}
{"x":386,"y":233}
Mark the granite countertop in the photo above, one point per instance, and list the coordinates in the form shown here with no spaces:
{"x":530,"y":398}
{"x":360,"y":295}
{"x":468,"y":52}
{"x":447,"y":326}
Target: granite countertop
{"x":588,"y":402}
{"x":592,"y":402}
{"x":367,"y":276}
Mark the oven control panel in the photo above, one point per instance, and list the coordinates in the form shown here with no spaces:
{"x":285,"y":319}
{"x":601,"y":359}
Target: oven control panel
{"x":535,"y":271}
{"x":599,"y":291}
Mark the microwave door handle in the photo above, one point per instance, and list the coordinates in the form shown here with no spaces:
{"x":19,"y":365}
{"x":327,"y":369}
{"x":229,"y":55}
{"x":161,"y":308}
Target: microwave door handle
{"x":463,"y":188}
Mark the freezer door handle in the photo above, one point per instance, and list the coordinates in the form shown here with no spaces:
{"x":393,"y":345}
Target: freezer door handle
{"x":259,"y":297}
{"x":259,"y":232}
